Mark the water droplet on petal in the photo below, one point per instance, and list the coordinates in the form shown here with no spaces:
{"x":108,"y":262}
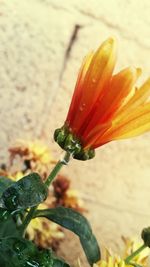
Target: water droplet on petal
{"x":82,"y":106}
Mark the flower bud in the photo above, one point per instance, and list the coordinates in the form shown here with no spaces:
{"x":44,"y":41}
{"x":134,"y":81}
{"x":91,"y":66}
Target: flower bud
{"x":146,"y":236}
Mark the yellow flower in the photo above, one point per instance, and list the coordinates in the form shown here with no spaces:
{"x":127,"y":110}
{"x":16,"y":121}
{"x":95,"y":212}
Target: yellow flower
{"x":39,"y":151}
{"x":132,"y":245}
{"x":33,"y":151}
{"x":111,"y":262}
{"x":16,"y":176}
{"x":36,"y":155}
{"x":72,"y":200}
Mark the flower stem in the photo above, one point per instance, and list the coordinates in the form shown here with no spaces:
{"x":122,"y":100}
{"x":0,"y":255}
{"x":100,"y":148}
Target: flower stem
{"x":134,"y":254}
{"x":27,"y":220}
{"x":57,"y":168}
{"x":54,"y":172}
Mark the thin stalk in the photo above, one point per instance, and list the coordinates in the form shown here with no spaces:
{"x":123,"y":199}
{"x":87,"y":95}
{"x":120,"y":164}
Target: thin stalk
{"x":50,"y":178}
{"x":57,"y":168}
{"x":27,"y":220}
{"x":134,"y":254}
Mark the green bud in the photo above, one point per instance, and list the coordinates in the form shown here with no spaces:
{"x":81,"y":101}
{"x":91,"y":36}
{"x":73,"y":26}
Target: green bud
{"x":72,"y":145}
{"x":146,"y":236}
{"x":60,"y":136}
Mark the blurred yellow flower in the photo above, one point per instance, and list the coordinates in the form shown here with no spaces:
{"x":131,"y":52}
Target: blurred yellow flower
{"x":111,"y":262}
{"x":132,"y":245}
{"x":35,"y":155}
{"x":73,"y":200}
{"x":116,"y":261}
{"x":38,"y":151}
{"x":16,"y":176}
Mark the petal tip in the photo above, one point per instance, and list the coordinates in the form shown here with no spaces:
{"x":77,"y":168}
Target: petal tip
{"x":139,"y":71}
{"x":135,"y":72}
{"x":111,"y":42}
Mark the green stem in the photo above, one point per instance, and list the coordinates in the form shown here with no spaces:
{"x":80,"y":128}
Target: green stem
{"x":48,"y":181}
{"x":134,"y":254}
{"x":57,"y":168}
{"x":27,"y":220}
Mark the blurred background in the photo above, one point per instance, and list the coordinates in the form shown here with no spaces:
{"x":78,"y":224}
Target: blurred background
{"x":42,"y":44}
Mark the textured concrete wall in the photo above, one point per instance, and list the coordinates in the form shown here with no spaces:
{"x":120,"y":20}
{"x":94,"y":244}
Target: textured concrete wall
{"x":41,"y":48}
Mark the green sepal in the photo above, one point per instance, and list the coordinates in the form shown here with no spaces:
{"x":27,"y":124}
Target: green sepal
{"x":70,"y":143}
{"x":27,"y":192}
{"x":85,"y":154}
{"x":60,"y":136}
{"x":146,"y":236}
{"x":67,"y":141}
{"x":78,"y":224}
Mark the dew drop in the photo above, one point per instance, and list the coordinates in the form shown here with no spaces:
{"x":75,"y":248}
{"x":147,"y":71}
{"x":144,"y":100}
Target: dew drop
{"x":81,"y":108}
{"x":32,"y":264}
{"x":4,"y":215}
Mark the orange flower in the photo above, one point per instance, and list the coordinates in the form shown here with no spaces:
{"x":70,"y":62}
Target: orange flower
{"x":104,"y":106}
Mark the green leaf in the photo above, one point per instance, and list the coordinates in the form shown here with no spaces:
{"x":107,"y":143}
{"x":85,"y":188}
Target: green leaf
{"x":91,"y":249}
{"x":78,"y":224}
{"x":27,"y":192}
{"x":46,"y":258}
{"x":4,"y":184}
{"x":7,"y":225}
{"x":18,"y":252}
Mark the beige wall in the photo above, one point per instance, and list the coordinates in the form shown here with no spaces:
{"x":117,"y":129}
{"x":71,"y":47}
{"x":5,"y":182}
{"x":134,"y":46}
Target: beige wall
{"x":36,"y":83}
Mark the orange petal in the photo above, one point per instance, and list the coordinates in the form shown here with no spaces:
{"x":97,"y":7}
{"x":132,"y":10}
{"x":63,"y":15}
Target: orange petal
{"x":78,"y":88}
{"x":119,"y":88}
{"x":97,"y":76}
{"x":139,"y":98}
{"x":95,"y":135}
{"x":134,"y":124}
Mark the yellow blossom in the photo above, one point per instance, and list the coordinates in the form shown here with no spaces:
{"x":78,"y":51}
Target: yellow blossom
{"x":35,"y":155}
{"x":131,"y":245}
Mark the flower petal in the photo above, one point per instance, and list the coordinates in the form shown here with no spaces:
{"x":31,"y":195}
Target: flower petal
{"x":136,"y":123}
{"x":120,"y":87}
{"x":139,"y":98}
{"x":96,"y":78}
{"x":78,"y":88}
